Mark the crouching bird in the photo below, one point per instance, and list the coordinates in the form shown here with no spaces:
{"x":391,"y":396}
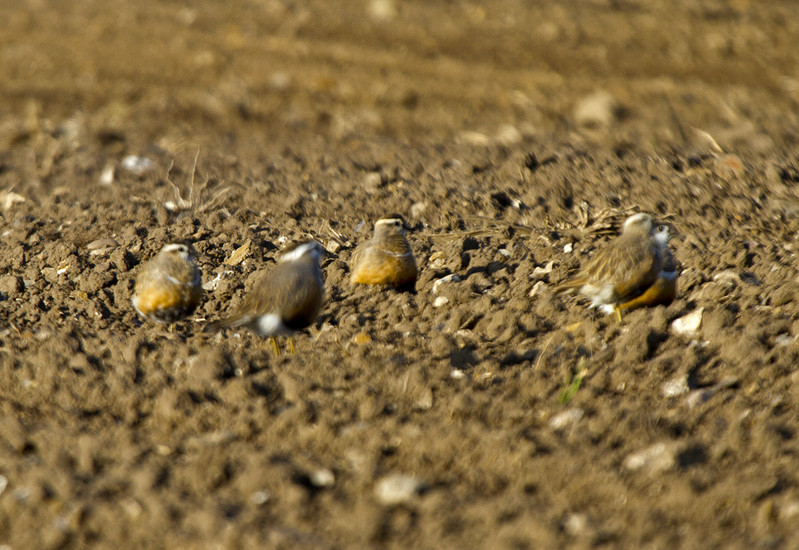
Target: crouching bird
{"x":386,"y":258}
{"x":169,"y":286}
{"x":634,"y":270}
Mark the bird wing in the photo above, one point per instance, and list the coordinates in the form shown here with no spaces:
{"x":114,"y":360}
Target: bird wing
{"x":637,"y":269}
{"x":257,"y":301}
{"x":357,"y":255}
{"x":297,"y":301}
{"x":627,"y":264}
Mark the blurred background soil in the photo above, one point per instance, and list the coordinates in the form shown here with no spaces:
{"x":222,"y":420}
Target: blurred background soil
{"x":480,"y":410}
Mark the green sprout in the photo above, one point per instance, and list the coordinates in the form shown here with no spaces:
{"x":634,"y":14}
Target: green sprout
{"x":573,"y":383}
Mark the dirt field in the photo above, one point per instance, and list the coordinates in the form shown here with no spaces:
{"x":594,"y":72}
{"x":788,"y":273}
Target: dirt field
{"x":482,"y":411}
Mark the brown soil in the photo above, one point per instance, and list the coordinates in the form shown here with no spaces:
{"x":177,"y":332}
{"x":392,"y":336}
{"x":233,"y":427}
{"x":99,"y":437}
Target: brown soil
{"x":504,"y":133}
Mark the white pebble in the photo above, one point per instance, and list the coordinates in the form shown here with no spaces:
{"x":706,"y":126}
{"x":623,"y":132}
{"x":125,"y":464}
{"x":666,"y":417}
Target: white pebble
{"x":657,"y":458}
{"x":138,"y":165}
{"x":260,"y":497}
{"x":213,"y":283}
{"x":675,"y":387}
{"x":9,"y":199}
{"x":536,"y":289}
{"x":440,"y":301}
{"x":540,"y":272}
{"x":107,"y":175}
{"x":569,"y":416}
{"x":451,"y":278}
{"x":567,"y":248}
{"x":688,"y":324}
{"x":322,"y":478}
{"x":575,"y":524}
{"x":396,"y":489}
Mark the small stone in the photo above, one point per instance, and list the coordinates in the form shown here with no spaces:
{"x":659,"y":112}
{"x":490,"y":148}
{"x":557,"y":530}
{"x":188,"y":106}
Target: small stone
{"x":260,"y":497}
{"x":541,"y":272}
{"x":567,"y":248}
{"x":595,"y":111}
{"x":657,"y":458}
{"x":457,"y":374}
{"x":678,"y":386}
{"x":397,"y":489}
{"x":565,"y":418}
{"x":536,"y":289}
{"x":9,"y":199}
{"x":137,"y":165}
{"x":437,"y":259}
{"x":451,"y":278}
{"x":322,"y":478}
{"x":576,"y":524}
{"x":239,"y":254}
{"x":440,"y":301}
{"x":107,"y":175}
{"x":425,"y":400}
{"x":688,"y":324}
{"x":101,"y":246}
{"x":213,"y":283}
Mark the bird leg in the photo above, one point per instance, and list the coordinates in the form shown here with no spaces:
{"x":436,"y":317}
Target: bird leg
{"x":291,"y":345}
{"x":617,"y":310}
{"x":275,"y":345}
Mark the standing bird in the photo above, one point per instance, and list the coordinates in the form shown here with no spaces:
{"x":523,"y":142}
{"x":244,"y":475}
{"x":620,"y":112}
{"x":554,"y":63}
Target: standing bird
{"x":169,"y":286}
{"x":626,"y":268}
{"x":286,"y":299}
{"x":386,"y":258}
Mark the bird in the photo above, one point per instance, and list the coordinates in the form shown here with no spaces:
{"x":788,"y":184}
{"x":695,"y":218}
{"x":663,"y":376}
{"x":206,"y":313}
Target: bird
{"x":386,"y":258}
{"x":624,"y":270}
{"x":286,"y":299}
{"x":662,"y":291}
{"x":169,"y":286}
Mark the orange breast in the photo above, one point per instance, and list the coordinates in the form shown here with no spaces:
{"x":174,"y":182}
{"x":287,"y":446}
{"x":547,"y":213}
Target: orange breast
{"x":662,"y":291}
{"x":386,"y":270}
{"x":166,"y":303}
